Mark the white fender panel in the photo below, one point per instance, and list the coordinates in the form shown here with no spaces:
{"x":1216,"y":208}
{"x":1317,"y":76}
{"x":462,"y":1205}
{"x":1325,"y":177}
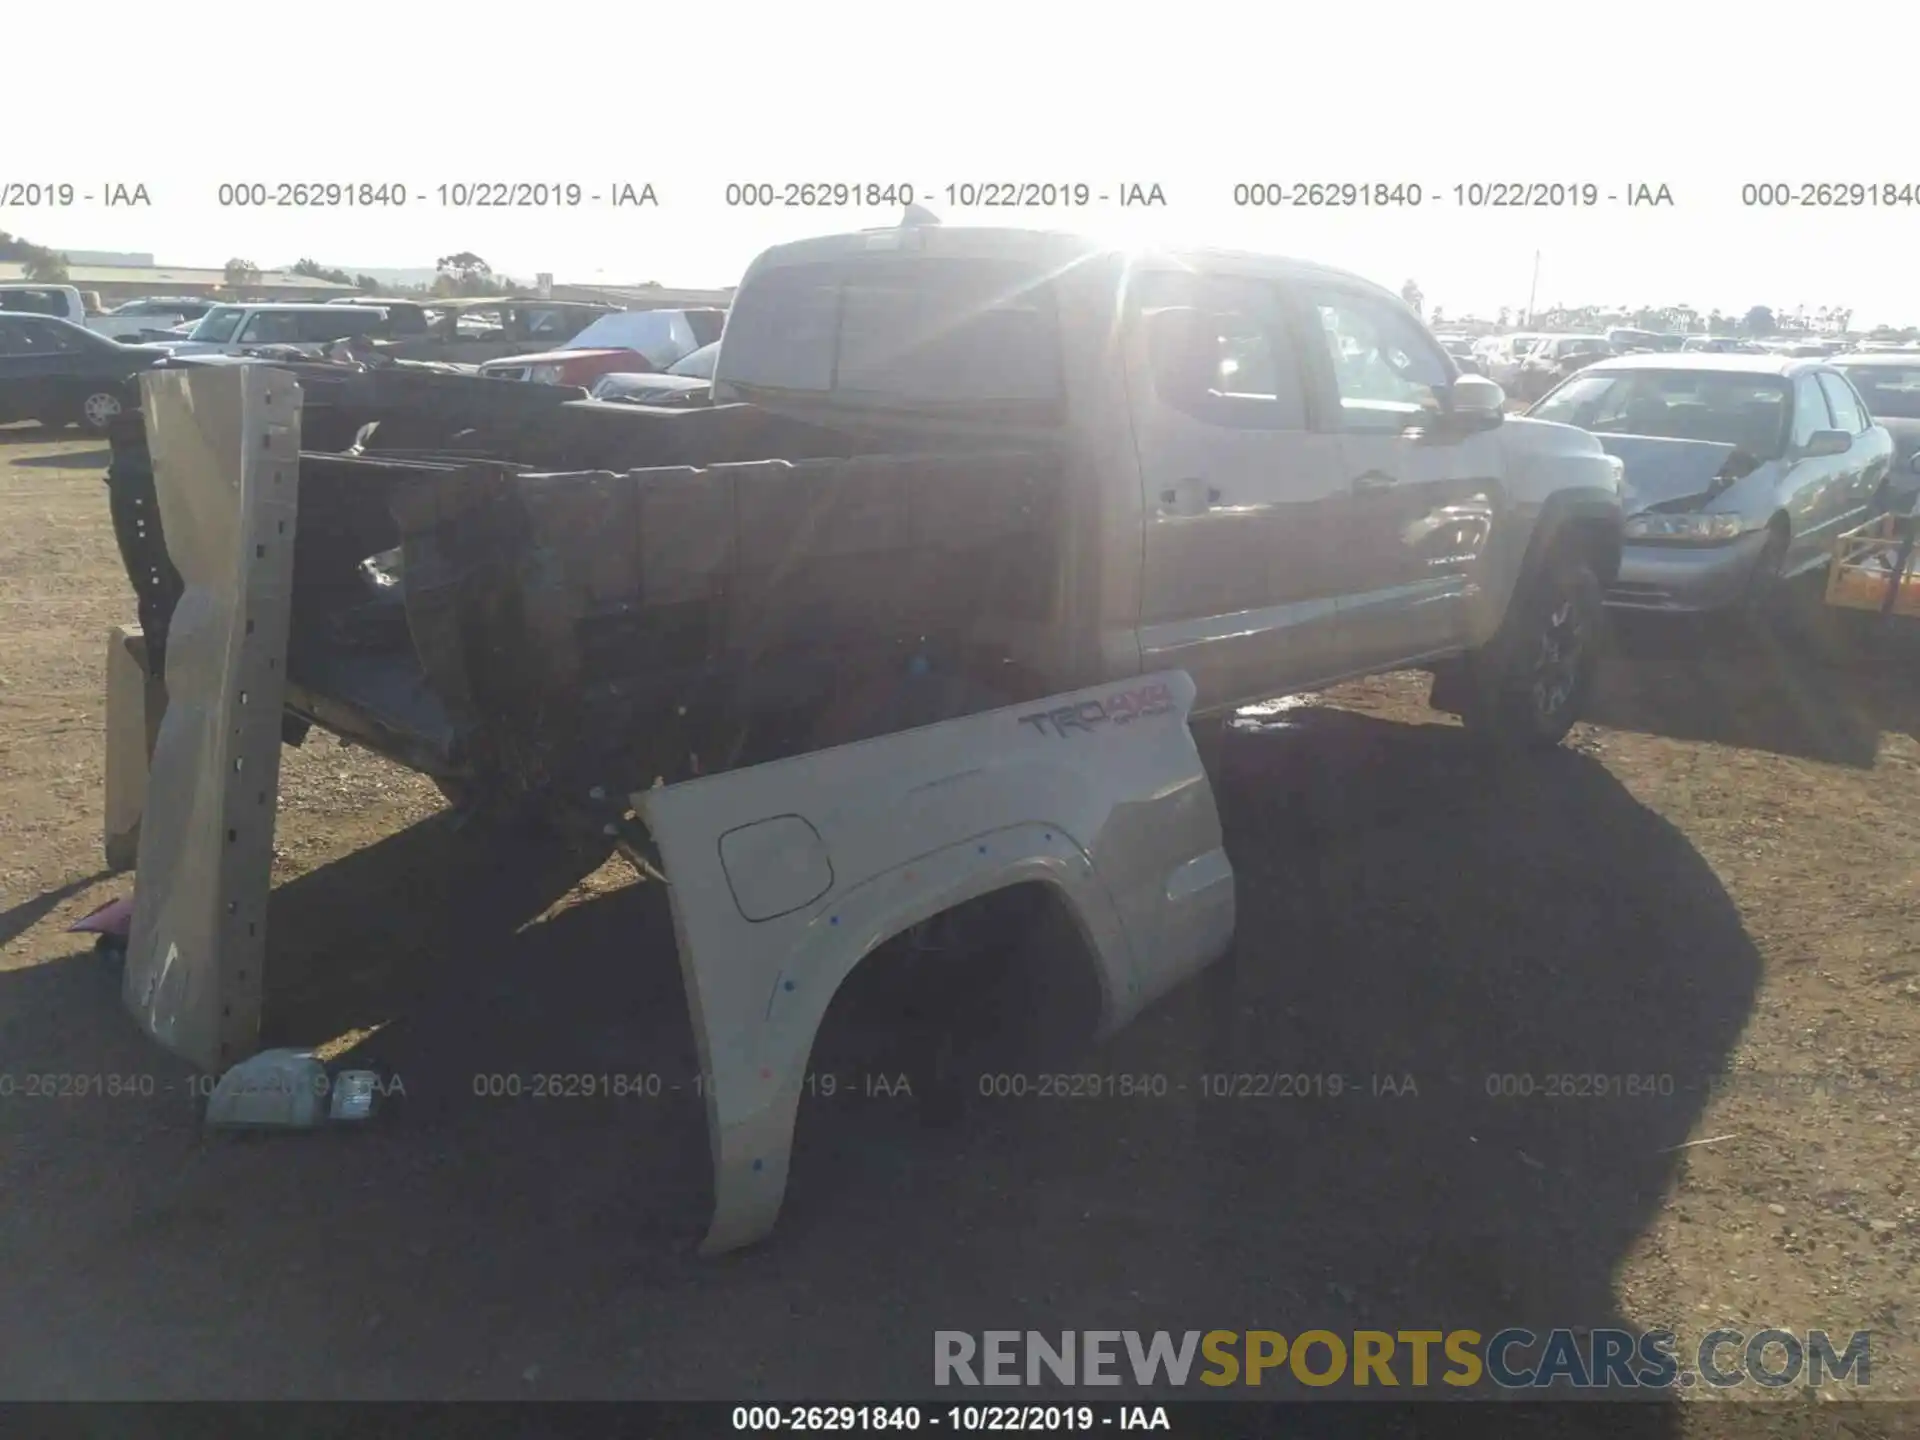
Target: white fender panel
{"x":784,"y":876}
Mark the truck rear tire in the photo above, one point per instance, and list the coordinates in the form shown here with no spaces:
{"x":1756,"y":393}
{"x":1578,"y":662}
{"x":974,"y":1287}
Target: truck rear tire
{"x":1528,"y":686}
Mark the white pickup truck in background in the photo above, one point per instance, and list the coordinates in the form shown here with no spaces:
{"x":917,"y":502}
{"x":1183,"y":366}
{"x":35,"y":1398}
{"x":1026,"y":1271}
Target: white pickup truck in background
{"x":148,"y":319}
{"x":136,"y":321}
{"x":62,"y":302}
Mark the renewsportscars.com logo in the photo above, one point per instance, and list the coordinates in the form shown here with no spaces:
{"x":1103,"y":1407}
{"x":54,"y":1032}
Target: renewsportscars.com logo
{"x":1513,"y":1359}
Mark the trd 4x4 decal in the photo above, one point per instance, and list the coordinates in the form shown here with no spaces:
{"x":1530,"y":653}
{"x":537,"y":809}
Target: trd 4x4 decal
{"x":1118,"y":709}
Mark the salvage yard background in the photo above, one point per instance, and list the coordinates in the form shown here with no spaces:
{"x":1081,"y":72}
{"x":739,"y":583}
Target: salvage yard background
{"x":1716,"y":882}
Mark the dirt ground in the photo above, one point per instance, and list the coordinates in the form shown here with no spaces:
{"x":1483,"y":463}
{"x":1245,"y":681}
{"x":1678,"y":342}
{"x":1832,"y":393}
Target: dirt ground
{"x":1713,"y":893}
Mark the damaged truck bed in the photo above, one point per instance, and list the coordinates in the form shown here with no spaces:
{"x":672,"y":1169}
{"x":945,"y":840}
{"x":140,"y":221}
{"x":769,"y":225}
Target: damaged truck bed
{"x":808,"y":673}
{"x":521,"y":592}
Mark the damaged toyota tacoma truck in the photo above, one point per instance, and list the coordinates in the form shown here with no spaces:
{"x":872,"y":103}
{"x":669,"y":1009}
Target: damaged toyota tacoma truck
{"x":917,"y":614}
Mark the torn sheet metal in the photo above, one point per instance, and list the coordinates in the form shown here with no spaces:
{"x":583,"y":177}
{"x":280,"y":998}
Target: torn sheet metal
{"x":225,"y":445}
{"x":784,"y":876}
{"x":115,"y":919}
{"x":136,"y":699}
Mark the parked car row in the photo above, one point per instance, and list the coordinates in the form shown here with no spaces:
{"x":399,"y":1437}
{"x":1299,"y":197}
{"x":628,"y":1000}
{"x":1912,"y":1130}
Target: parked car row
{"x":58,"y":371}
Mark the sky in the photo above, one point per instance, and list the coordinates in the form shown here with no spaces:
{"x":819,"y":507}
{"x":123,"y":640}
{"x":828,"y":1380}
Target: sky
{"x":1703,"y":98}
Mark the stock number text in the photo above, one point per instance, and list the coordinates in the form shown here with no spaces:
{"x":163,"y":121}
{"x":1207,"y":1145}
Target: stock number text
{"x":1330,"y":194}
{"x":311,"y":194}
{"x":816,"y":194}
{"x":1848,"y":195}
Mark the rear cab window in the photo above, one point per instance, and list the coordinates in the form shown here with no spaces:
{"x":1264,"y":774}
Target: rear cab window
{"x":34,"y":302}
{"x":899,"y":329}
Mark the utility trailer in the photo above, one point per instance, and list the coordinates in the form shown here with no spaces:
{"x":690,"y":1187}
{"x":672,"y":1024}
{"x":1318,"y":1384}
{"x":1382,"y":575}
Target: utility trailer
{"x":1874,"y":567}
{"x":806,"y":674}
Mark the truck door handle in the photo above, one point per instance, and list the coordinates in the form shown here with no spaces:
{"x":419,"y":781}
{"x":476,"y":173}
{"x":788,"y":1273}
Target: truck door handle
{"x":1373,"y":480}
{"x":1190,"y":488}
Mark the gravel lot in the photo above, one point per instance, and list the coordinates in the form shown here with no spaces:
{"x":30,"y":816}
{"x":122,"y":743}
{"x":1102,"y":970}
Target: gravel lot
{"x":1716,"y":886}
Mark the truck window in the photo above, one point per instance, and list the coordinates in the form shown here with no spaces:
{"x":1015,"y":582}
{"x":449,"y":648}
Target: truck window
{"x":480,"y":322}
{"x":218,"y":324}
{"x":268,"y":327}
{"x":406,"y":320}
{"x":34,"y":302}
{"x":1254,"y":366}
{"x":1388,"y":370}
{"x":544,"y":322}
{"x":315,"y":327}
{"x":902,"y":329}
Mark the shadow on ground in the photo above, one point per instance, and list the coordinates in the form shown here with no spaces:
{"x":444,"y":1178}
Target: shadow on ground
{"x":17,"y":919}
{"x":66,"y":460}
{"x":32,"y":434}
{"x":1350,"y":1125}
{"x":1818,"y":684}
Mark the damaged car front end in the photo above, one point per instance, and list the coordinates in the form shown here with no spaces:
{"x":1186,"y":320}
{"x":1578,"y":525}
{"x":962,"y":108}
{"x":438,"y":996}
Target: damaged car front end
{"x":1738,"y":471}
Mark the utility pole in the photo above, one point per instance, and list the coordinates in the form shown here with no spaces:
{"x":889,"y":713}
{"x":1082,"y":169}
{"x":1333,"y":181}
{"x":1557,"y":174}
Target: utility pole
{"x":1533,"y":290}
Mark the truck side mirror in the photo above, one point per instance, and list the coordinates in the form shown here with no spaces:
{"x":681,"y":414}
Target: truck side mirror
{"x":1473,"y":402}
{"x":1180,"y":354}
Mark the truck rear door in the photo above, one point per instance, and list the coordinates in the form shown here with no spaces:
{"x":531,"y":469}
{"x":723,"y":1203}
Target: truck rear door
{"x":1241,"y":498}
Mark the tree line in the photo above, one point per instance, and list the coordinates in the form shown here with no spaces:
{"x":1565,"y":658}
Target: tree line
{"x":1756,"y":321}
{"x":462,"y":273}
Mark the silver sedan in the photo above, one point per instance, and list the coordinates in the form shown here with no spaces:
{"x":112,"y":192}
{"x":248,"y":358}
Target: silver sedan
{"x":1740,"y":470}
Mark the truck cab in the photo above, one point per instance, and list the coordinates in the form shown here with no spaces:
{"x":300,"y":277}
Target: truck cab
{"x":1280,"y":477}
